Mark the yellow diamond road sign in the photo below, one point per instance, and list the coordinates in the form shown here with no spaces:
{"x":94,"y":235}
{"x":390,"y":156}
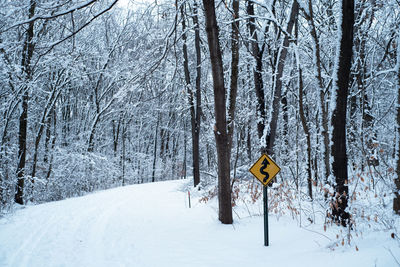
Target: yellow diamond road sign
{"x":265,"y":169}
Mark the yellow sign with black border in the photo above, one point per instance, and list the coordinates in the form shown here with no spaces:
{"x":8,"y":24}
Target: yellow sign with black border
{"x":265,"y":169}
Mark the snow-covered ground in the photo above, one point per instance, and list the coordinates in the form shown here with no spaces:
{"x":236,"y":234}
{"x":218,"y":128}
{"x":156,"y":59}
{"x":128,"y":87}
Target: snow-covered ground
{"x":152,"y":225}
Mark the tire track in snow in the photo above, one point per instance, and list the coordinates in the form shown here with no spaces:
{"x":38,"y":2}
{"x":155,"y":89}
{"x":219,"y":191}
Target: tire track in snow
{"x":24,"y":253}
{"x":95,"y":230}
{"x":95,"y":252}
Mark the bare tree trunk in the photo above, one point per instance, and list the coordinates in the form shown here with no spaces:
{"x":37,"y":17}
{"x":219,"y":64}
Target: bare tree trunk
{"x":220,"y":128}
{"x":257,"y":71}
{"x":153,"y":174}
{"x":53,"y":141}
{"x":322,"y":93}
{"x":116,"y":132}
{"x":92,"y":133}
{"x":163,"y":145}
{"x":278,"y":80}
{"x":48,"y":137}
{"x":27,"y":54}
{"x":234,"y":73}
{"x":304,"y":122}
{"x":123,"y":156}
{"x":197,"y":121}
{"x":46,"y":114}
{"x":306,"y":132}
{"x":365,"y":16}
{"x":195,"y":109}
{"x":66,"y":119}
{"x":248,"y":142}
{"x":396,"y":200}
{"x":184,"y":167}
{"x":339,"y":151}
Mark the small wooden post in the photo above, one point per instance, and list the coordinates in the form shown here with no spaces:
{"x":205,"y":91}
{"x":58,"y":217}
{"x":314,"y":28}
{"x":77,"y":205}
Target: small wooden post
{"x":189,"y":199}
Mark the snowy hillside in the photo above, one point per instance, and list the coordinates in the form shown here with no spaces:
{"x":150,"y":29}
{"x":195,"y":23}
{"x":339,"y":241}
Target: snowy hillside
{"x":152,"y":225}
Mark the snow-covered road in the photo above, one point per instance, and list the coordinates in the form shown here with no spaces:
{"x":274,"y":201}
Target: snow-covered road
{"x":151,"y":225}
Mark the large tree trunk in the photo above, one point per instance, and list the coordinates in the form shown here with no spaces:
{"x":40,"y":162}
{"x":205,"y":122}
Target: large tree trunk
{"x":27,"y":54}
{"x":220,"y":129}
{"x":339,"y":152}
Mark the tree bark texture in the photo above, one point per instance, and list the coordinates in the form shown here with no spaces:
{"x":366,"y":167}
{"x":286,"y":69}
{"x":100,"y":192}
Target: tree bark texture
{"x":339,"y":152}
{"x":27,"y":54}
{"x":234,"y":73}
{"x":220,"y":128}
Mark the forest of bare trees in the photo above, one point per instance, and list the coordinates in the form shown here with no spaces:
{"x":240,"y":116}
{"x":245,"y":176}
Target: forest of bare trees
{"x":98,"y":94}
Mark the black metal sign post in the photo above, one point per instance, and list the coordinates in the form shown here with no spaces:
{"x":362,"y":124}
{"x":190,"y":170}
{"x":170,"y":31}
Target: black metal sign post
{"x":266,"y":237}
